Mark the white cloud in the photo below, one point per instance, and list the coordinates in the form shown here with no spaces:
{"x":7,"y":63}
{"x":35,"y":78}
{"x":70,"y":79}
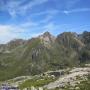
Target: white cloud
{"x":24,"y":31}
{"x":5,"y":34}
{"x":12,"y":7}
{"x":49,"y":15}
{"x":76,"y":10}
{"x":66,"y":12}
{"x":53,"y":11}
{"x":9,"y":32}
{"x":33,"y":4}
{"x":15,"y":7}
{"x":51,"y":27}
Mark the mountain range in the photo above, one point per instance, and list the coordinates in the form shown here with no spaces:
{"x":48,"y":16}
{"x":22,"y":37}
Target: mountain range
{"x":46,"y":52}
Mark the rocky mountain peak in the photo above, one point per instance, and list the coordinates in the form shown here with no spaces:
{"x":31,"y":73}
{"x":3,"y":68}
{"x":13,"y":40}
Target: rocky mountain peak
{"x":70,"y":40}
{"x":47,"y":34}
{"x":47,"y":38}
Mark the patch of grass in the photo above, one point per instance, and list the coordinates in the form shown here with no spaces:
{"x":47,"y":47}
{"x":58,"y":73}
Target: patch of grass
{"x":85,"y":85}
{"x":36,"y":82}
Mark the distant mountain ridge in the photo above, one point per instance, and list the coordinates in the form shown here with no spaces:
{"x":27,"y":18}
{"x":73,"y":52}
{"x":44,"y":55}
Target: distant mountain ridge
{"x":45,"y":52}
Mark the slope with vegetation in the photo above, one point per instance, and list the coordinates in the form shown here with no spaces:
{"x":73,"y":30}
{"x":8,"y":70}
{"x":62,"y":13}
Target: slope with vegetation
{"x":46,"y":52}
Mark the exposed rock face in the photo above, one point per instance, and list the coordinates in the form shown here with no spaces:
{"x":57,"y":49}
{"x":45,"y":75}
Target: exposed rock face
{"x":47,"y":39}
{"x":70,"y":40}
{"x":86,"y":37}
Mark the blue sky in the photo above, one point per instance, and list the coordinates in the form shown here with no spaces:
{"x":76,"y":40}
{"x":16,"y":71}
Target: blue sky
{"x":30,"y":18}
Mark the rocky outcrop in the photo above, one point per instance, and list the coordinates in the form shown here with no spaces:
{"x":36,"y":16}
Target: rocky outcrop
{"x":47,"y":39}
{"x":70,"y":79}
{"x":70,"y":40}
